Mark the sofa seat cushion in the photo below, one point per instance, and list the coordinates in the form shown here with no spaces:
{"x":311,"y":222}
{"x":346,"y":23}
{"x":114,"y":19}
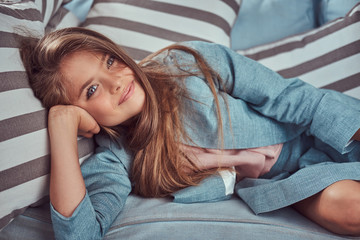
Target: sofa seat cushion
{"x":163,"y":219}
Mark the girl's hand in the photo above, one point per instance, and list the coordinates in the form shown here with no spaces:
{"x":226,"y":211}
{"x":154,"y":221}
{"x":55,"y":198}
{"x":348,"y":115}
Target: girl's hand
{"x":72,"y":118}
{"x":87,"y":125}
{"x":356,"y":136}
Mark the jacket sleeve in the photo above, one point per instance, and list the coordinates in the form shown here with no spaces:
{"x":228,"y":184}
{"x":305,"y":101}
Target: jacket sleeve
{"x":330,"y":116}
{"x":108,"y":186}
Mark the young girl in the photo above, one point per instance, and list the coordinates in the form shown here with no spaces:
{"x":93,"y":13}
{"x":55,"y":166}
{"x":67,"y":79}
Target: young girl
{"x":180,"y":120}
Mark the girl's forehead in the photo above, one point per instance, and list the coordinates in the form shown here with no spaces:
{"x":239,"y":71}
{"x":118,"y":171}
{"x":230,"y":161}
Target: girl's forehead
{"x":79,"y":55}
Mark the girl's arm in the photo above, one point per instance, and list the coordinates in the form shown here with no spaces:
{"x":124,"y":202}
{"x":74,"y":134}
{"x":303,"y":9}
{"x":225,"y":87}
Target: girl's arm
{"x":78,"y":212}
{"x":330,"y":116}
{"x":67,"y":187}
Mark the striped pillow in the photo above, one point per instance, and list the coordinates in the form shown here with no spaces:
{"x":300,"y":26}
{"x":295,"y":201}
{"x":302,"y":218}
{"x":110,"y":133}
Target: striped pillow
{"x":49,"y":8}
{"x":327,"y":57}
{"x":144,"y":26}
{"x":24,"y":160}
{"x":63,"y":18}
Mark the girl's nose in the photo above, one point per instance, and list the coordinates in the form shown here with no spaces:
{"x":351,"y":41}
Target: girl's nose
{"x":115,"y":86}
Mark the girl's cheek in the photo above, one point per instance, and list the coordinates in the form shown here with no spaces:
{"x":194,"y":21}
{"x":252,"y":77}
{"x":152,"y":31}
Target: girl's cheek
{"x":102,"y":106}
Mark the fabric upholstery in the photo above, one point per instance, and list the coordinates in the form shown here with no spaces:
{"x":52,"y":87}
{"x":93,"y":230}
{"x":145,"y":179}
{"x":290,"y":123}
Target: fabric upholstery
{"x":142,"y":27}
{"x":326,"y":57}
{"x":24,"y":145}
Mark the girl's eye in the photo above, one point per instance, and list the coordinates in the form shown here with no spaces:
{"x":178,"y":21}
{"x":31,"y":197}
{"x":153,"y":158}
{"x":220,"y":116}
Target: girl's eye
{"x":110,"y":61}
{"x":91,"y":90}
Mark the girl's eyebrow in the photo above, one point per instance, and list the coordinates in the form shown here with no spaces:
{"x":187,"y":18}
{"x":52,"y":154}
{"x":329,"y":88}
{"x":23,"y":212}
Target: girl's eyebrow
{"x":84,"y":86}
{"x":91,"y":79}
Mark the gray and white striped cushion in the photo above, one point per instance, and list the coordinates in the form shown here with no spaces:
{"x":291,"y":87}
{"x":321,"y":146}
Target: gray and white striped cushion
{"x":142,"y":27}
{"x":55,"y":15}
{"x":63,"y":18}
{"x":49,"y":8}
{"x":327,"y":57}
{"x":24,"y":151}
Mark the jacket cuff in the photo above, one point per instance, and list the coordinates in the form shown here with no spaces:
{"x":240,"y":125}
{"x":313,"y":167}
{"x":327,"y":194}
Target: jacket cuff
{"x":211,"y":189}
{"x":335,"y":124}
{"x":68,"y":227}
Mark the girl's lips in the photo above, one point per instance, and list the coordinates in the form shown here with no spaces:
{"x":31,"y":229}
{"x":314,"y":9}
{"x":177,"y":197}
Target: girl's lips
{"x":127,"y":93}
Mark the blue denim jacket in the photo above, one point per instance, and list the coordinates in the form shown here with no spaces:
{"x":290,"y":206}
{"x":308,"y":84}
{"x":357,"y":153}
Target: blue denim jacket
{"x":265,"y":109}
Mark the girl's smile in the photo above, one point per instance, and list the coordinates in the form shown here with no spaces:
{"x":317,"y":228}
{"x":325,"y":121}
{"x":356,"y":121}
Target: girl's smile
{"x":129,"y":90}
{"x":103,"y":86}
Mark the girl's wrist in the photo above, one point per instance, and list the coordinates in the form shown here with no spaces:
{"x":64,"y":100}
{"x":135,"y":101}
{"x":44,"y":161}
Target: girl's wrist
{"x":356,"y":136}
{"x":62,"y":118}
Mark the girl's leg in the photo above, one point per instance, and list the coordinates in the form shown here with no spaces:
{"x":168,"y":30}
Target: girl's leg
{"x":336,"y":208}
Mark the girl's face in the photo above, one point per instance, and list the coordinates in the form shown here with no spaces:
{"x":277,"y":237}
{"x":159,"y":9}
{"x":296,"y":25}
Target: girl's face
{"x":104,"y":87}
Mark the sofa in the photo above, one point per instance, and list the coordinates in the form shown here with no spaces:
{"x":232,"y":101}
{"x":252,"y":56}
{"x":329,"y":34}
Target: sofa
{"x":315,"y":40}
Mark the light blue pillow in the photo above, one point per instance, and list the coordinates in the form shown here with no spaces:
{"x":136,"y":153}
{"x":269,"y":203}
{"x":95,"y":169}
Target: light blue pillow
{"x":80,"y":8}
{"x":332,"y":9}
{"x":264,"y":21}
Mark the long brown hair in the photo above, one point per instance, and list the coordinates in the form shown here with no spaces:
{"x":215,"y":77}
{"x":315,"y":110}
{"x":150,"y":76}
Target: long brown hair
{"x":159,"y":167}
